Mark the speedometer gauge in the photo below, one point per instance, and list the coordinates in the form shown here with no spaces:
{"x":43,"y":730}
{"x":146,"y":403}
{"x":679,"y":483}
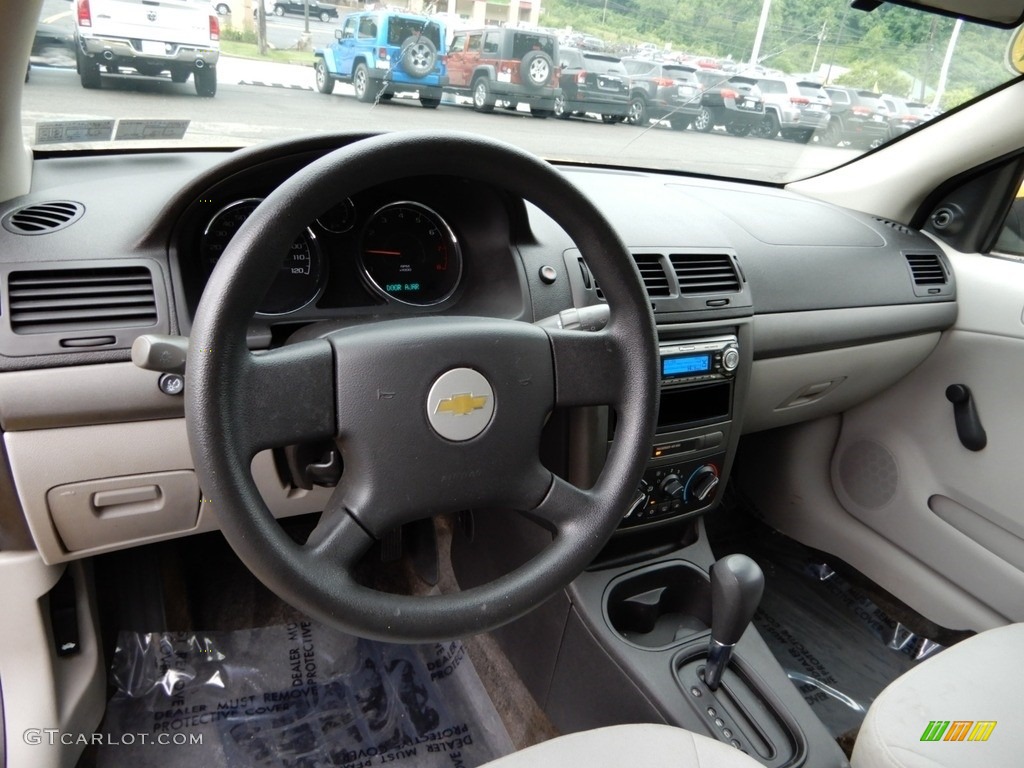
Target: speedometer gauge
{"x":301,"y":277}
{"x":409,"y":254}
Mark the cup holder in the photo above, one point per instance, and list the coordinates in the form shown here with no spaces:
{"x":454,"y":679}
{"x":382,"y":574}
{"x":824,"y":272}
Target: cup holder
{"x":660,"y":605}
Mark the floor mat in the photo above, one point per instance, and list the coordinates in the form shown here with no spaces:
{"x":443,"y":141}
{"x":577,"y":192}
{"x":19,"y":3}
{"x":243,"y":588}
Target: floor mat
{"x":836,"y":644}
{"x":295,"y":696}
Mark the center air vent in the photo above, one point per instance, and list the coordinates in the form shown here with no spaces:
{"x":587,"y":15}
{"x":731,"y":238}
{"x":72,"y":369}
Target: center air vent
{"x":926,"y":269}
{"x":705,"y":273}
{"x":77,"y":300}
{"x":42,"y":218}
{"x":653,"y":273}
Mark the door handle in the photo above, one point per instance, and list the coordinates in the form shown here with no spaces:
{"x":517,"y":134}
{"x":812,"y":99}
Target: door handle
{"x":968,"y":423}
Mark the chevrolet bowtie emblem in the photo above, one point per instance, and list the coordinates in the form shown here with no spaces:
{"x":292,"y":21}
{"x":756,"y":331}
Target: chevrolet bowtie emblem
{"x":461,"y":404}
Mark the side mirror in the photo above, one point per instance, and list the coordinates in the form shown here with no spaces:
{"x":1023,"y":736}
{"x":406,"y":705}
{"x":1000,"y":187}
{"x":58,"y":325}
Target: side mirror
{"x":337,"y":34}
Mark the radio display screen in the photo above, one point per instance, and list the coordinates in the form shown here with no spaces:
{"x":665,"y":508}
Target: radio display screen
{"x":685,"y":365}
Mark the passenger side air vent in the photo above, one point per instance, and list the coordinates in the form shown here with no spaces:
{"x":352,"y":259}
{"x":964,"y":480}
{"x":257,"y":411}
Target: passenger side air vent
{"x":705,"y":273}
{"x":926,"y":269}
{"x":41,"y":218}
{"x":81,"y":300}
{"x":902,"y":229}
{"x":653,"y":273}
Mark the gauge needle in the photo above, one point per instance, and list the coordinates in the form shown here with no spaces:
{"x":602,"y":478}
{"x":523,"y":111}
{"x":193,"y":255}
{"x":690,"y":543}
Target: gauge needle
{"x":384,"y":253}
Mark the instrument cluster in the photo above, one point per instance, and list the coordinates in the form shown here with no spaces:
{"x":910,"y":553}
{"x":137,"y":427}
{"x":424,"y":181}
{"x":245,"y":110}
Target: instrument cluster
{"x":403,"y":252}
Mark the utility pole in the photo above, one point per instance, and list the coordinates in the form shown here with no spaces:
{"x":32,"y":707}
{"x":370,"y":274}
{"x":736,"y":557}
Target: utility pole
{"x":261,"y":28}
{"x":817,"y":48}
{"x":835,"y":45}
{"x":940,"y":89}
{"x":759,"y":37}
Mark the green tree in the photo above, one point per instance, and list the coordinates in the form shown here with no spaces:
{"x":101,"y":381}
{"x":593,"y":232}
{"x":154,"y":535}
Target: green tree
{"x":877,"y":76}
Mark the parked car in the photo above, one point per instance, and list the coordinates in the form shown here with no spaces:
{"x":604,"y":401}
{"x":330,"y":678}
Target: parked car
{"x":732,"y":101}
{"x":382,"y":53}
{"x":657,"y":91}
{"x":905,"y":115}
{"x":858,"y":117}
{"x":182,"y":40}
{"x":592,"y":82}
{"x":513,"y":65}
{"x":793,"y":109}
{"x":322,"y":11}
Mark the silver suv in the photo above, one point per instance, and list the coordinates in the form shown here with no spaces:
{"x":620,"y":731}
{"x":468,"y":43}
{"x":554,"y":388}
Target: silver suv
{"x":794,"y":109}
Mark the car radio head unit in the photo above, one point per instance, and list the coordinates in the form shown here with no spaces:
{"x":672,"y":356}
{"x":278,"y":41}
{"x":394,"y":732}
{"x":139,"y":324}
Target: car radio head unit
{"x":700,"y":360}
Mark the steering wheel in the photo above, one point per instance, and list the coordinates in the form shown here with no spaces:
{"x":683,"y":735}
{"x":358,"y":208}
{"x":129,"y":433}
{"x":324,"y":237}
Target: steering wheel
{"x":431,"y":414}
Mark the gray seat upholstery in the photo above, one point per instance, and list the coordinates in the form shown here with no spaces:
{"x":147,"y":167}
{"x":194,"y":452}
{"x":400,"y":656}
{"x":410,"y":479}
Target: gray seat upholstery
{"x":954,"y":696}
{"x":624,"y":745}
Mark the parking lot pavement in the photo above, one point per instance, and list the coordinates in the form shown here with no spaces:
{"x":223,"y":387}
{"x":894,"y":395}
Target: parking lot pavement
{"x":231,"y":69}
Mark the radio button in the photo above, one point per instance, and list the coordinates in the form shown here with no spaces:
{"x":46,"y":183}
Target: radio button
{"x":730,"y":358}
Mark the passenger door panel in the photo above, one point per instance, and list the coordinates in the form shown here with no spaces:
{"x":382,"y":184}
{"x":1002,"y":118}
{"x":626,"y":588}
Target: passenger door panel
{"x":900,"y":468}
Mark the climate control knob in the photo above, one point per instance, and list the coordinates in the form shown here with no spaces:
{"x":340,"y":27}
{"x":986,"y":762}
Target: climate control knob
{"x":672,"y":486}
{"x":703,"y":482}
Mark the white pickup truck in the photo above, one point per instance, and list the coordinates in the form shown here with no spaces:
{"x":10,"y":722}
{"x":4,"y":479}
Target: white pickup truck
{"x":150,"y":37}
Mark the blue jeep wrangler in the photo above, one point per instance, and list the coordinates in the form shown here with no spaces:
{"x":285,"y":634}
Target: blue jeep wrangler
{"x":384,"y":52}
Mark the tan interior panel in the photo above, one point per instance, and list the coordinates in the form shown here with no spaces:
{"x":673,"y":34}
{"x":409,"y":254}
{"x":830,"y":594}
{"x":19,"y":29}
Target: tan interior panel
{"x":784,"y":390}
{"x":95,"y":513}
{"x":109,"y":459}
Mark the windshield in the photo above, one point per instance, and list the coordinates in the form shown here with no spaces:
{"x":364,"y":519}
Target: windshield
{"x":130,"y":74}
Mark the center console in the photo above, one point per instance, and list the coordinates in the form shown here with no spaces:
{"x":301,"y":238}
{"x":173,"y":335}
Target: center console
{"x":687,"y":460}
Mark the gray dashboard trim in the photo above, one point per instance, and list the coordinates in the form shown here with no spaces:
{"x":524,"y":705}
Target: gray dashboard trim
{"x":90,"y":394}
{"x":793,"y":333}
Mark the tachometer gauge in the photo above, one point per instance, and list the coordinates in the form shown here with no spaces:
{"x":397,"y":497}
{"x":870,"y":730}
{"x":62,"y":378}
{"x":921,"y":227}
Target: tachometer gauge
{"x":409,"y":254}
{"x":301,"y":277}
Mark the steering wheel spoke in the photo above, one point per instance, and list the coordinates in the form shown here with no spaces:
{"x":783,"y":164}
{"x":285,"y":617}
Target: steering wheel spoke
{"x":337,"y":541}
{"x":286,"y":396}
{"x":563,"y":506}
{"x":589,"y":367}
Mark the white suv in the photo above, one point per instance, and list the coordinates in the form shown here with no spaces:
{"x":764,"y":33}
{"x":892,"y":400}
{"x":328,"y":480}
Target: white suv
{"x":794,"y":109}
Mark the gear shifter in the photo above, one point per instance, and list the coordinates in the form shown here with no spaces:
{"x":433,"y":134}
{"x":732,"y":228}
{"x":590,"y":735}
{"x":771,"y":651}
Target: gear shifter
{"x":736,"y":586}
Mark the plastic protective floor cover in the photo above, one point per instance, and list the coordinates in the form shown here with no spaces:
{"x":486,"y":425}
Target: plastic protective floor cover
{"x":837,"y":646}
{"x":295,"y":696}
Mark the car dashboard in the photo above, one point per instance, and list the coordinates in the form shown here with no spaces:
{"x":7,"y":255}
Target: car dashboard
{"x":771,"y":308}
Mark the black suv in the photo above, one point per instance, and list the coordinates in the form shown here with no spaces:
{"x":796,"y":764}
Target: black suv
{"x":662,"y":92}
{"x":733,"y":101}
{"x":514,"y":65}
{"x":592,"y":82}
{"x":858,"y":117}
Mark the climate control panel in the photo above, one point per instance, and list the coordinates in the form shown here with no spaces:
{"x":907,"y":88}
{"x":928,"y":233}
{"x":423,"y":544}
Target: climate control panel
{"x":676,"y":489}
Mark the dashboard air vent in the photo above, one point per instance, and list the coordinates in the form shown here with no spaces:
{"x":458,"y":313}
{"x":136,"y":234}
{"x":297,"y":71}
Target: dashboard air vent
{"x":705,"y":273}
{"x":901,"y":228}
{"x":653,"y":274}
{"x":72,"y":300}
{"x":42,"y":218}
{"x":926,"y":269}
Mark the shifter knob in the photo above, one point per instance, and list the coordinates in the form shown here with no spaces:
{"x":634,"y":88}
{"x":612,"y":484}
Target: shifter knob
{"x":737,"y":583}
